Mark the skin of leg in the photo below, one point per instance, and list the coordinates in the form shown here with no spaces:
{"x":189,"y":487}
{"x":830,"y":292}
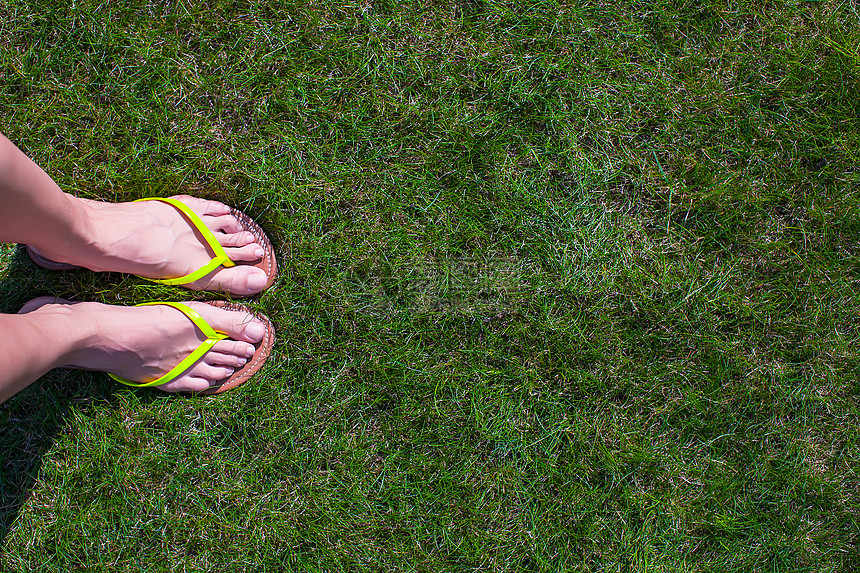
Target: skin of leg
{"x":33,"y":209}
{"x":46,"y":340}
{"x":149,"y":239}
{"x":139,"y":343}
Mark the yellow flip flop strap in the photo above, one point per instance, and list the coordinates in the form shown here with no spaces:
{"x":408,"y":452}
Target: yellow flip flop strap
{"x":220,"y":257}
{"x":212,"y":336}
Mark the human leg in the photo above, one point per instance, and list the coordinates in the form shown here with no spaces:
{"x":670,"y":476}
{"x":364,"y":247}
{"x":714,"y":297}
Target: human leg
{"x":138,"y":343}
{"x":149,"y":239}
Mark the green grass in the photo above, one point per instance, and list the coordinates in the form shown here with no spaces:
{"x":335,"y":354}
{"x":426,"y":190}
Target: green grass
{"x":566,"y":286}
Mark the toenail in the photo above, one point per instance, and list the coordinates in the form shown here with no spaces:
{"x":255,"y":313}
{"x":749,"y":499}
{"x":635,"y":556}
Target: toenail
{"x":259,"y":253}
{"x":256,"y":281}
{"x":250,"y":350}
{"x":255,"y":330}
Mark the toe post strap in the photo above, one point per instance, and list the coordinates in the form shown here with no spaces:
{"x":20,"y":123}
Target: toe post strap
{"x":220,"y":258}
{"x":212,"y":337}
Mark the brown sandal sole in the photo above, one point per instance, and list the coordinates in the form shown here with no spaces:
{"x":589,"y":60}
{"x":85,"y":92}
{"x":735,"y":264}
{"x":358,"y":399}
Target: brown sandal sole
{"x":255,"y":363}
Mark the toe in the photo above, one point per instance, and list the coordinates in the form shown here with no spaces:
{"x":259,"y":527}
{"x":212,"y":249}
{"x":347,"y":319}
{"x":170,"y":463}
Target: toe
{"x":204,"y":207}
{"x":235,"y":239}
{"x":256,"y":280}
{"x":213,"y":374}
{"x":187,"y":383}
{"x":252,"y":252}
{"x":230,"y":360}
{"x":239,"y":280}
{"x":196,"y":384}
{"x":238,"y":325}
{"x":223,"y":223}
{"x":234,"y":347}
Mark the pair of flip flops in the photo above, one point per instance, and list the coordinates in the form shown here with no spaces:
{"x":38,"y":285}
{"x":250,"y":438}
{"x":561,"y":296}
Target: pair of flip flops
{"x":219,"y":258}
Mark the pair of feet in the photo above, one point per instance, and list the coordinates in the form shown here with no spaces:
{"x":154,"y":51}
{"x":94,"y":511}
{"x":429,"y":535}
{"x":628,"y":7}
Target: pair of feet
{"x":155,"y":240}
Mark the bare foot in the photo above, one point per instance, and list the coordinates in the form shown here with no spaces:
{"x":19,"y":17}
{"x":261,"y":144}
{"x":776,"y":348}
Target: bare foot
{"x":143,"y":343}
{"x":154,"y":240}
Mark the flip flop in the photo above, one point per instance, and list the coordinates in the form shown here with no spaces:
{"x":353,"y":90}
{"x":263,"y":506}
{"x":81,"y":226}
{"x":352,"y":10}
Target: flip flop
{"x":212,"y":336}
{"x":267,"y":263}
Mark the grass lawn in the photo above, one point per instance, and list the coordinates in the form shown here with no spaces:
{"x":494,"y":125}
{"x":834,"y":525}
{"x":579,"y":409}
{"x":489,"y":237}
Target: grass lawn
{"x":567,"y":286}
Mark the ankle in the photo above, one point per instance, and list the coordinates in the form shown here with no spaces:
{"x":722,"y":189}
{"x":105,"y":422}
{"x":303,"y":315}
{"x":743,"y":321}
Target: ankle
{"x":85,"y":225}
{"x":80,"y":240}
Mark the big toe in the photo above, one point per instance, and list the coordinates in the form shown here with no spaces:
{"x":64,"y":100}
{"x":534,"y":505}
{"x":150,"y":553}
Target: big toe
{"x":241,"y":280}
{"x":240,"y":325}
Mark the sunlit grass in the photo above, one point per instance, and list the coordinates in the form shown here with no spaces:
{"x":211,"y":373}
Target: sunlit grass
{"x":565,"y":286}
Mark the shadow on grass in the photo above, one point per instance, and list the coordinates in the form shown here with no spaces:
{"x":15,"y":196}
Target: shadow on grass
{"x":31,"y":420}
{"x":29,"y":425}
